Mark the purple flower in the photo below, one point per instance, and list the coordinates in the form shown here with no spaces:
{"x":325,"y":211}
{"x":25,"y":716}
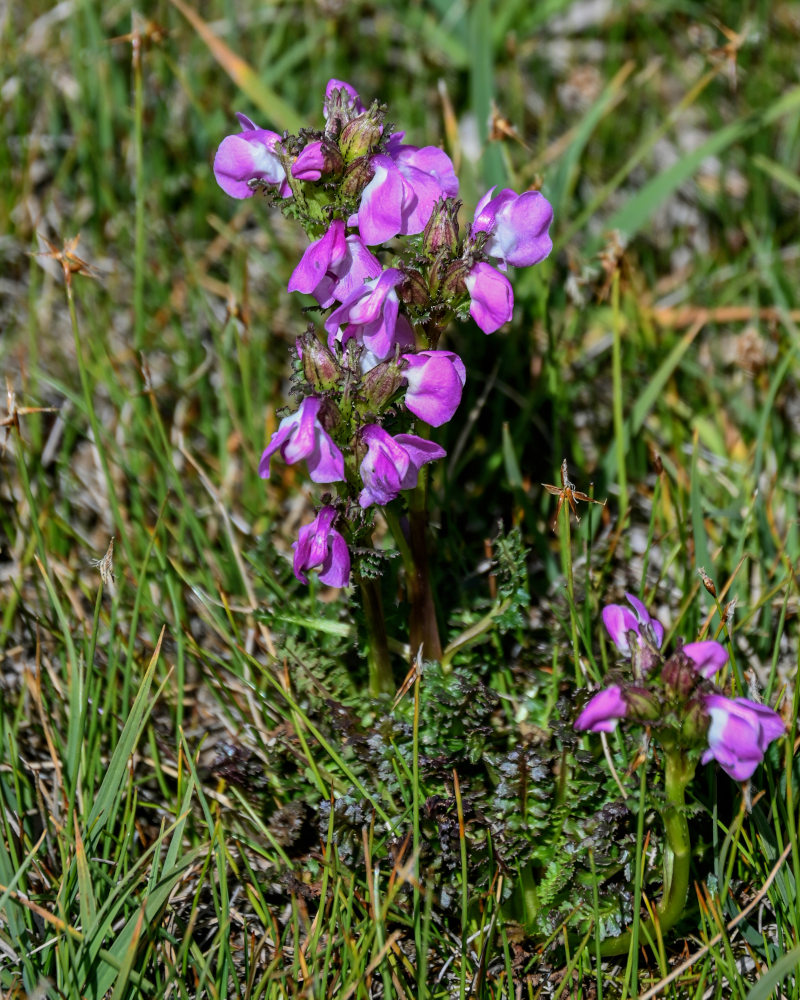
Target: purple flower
{"x":392,"y":464}
{"x":301,"y":435}
{"x":406,"y":184}
{"x":492,"y":297}
{"x":333,"y":267}
{"x":249,"y":155}
{"x":369,"y":314}
{"x":619,"y":621}
{"x":603,"y":711}
{"x":518,"y":226}
{"x":707,"y":657}
{"x":435,"y":381}
{"x":310,"y":164}
{"x":349,"y":98}
{"x":739,"y":734}
{"x":320,"y":544}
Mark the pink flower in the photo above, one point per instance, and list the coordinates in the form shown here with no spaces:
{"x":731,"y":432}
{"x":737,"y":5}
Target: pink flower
{"x":301,"y":435}
{"x":739,"y":734}
{"x":708,"y":657}
{"x":619,"y":621}
{"x":435,"y":382}
{"x":321,"y":545}
{"x":246,"y":156}
{"x":370,"y":314}
{"x":492,"y":297}
{"x":518,"y":225}
{"x":334,"y":267}
{"x":406,"y":184}
{"x":392,"y":464}
{"x":603,"y":711}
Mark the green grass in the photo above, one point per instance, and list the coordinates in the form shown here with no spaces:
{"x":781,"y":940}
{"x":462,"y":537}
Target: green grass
{"x":196,"y":799}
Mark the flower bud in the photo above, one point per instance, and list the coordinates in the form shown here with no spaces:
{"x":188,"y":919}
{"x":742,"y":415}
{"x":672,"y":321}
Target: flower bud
{"x":329,"y":415}
{"x":360,"y":136}
{"x":414,"y":290}
{"x":316,"y":160}
{"x":319,"y":365}
{"x":342,"y":104}
{"x":356,"y":177}
{"x":381,"y":383}
{"x":679,"y":676}
{"x":453,"y":283}
{"x":695,"y":724}
{"x":643,"y":705}
{"x":441,"y":232}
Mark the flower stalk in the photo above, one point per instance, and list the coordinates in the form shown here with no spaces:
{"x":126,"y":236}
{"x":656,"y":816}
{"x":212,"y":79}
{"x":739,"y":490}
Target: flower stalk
{"x":679,"y":771}
{"x":379,"y":664}
{"x":423,"y":627}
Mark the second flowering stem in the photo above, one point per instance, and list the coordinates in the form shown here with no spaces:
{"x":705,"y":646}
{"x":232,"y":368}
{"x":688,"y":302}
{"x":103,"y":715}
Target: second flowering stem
{"x":679,"y":771}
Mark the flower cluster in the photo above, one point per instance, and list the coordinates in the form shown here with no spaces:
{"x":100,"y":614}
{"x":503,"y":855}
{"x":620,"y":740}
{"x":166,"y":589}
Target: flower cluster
{"x":373,"y":379}
{"x":676,"y":696}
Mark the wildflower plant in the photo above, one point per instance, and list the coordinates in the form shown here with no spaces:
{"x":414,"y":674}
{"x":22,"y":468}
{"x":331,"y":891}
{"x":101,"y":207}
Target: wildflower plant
{"x":676,"y":698}
{"x":389,"y":269}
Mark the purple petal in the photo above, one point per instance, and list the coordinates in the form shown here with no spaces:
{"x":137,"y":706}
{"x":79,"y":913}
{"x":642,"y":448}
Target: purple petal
{"x":351,"y":91}
{"x":336,"y":568}
{"x":522,"y":230}
{"x":247,"y":156}
{"x":645,"y":618}
{"x":310,"y":163}
{"x":739,"y":733}
{"x":281,"y":434}
{"x":382,"y":468}
{"x":301,"y":436}
{"x":420,"y":451}
{"x":618,"y":621}
{"x":302,"y":441}
{"x":435,"y":382}
{"x":432,"y":161}
{"x":380,"y":211}
{"x":603,"y":711}
{"x":317,"y":258}
{"x":326,"y":463}
{"x":492,"y":297}
{"x":708,"y":656}
{"x":518,"y":226}
{"x":485,"y":219}
{"x":319,"y":544}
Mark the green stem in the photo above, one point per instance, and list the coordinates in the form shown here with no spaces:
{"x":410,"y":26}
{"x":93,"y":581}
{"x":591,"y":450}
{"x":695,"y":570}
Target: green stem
{"x":380,"y":667}
{"x":677,"y":850}
{"x":472,"y":634}
{"x":138,"y":166}
{"x":119,"y":523}
{"x":565,"y":538}
{"x":414,"y":554}
{"x":423,"y":627}
{"x":619,"y":424}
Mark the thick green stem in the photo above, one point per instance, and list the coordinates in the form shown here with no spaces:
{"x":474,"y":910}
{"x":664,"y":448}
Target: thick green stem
{"x":677,"y":850}
{"x":380,"y":667}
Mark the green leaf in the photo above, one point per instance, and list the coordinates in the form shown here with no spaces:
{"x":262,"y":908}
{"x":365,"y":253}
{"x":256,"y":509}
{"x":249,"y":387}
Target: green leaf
{"x":789,"y":963}
{"x":107,"y":796}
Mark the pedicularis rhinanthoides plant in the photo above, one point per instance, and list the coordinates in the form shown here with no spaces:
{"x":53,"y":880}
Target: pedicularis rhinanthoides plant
{"x":676,"y":698}
{"x":390,"y":271}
